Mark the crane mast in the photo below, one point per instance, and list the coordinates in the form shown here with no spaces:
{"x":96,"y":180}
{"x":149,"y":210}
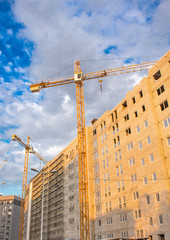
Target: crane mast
{"x":78,"y":79}
{"x":28,"y":150}
{"x":82,"y":155}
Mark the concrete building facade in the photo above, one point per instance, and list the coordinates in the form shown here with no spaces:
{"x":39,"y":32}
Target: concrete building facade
{"x":10,"y":207}
{"x":128,"y":154}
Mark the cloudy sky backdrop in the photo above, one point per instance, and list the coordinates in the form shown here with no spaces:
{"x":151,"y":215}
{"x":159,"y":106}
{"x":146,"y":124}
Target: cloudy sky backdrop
{"x":41,"y":40}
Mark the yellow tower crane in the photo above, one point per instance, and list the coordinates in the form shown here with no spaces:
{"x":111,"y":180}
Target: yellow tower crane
{"x":78,"y":79}
{"x":28,"y":149}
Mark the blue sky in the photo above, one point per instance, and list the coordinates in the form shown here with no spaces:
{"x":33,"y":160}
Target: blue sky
{"x":41,"y":39}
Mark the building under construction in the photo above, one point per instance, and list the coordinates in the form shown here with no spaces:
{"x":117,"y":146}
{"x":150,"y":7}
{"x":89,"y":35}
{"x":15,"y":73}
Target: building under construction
{"x":128,"y":158}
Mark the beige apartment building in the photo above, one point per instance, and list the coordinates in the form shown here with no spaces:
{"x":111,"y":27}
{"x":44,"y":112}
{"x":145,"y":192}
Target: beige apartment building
{"x":128,"y":154}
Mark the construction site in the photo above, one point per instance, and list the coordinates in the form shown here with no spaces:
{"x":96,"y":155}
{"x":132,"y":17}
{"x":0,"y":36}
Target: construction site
{"x":113,"y":180}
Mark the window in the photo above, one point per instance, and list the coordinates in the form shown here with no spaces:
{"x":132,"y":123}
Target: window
{"x":99,"y":222}
{"x":103,"y":164}
{"x":116,"y":158}
{"x":133,"y":178}
{"x":104,"y":123}
{"x":103,"y":151}
{"x":140,"y":145}
{"x":106,"y":207}
{"x":121,"y":169}
{"x":120,"y":203}
{"x":104,"y":178}
{"x":128,"y":131}
{"x":102,"y":138}
{"x":95,"y":155}
{"x":112,"y":117}
{"x":118,"y":140}
{"x":126,"y":118}
{"x":168,"y":139}
{"x":143,"y":108}
{"x":120,"y":157}
{"x":105,"y":137}
{"x":115,"y":114}
{"x":157,"y":75}
{"x":109,"y":193}
{"x":157,"y":195}
{"x":123,"y":187}
{"x":117,"y":127}
{"x":161,"y":219}
{"x":123,"y":217}
{"x":109,"y":220}
{"x":141,"y":94}
{"x":114,"y":140}
{"x":133,"y":100}
{"x":151,"y":157}
{"x":136,"y":114}
{"x":139,"y":233}
{"x":135,"y":195}
{"x":164,"y":105}
{"x":124,"y":234}
{"x":99,"y":237}
{"x":124,"y":201}
{"x":146,"y":123}
{"x":130,"y":146}
{"x":166,"y":122}
{"x":124,"y":105}
{"x":138,"y":129}
{"x":110,"y":235}
{"x":110,"y":205}
{"x":118,"y":186}
{"x":117,"y":171}
{"x":131,"y":161}
{"x":113,"y":129}
{"x":142,"y":162}
{"x":108,"y":178}
{"x":148,"y":139}
{"x":107,"y":162}
{"x":101,"y":127}
{"x":94,"y":132}
{"x":106,"y":149}
{"x":160,"y":90}
{"x":154,"y":176}
{"x":145,"y":180}
{"x":138,"y":214}
{"x":148,"y":199}
{"x":150,"y":221}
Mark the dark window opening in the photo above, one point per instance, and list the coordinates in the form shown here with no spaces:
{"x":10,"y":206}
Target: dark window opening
{"x":143,"y":108}
{"x":128,"y":131}
{"x":115,"y":114}
{"x":164,"y":105}
{"x":161,"y":237}
{"x":113,"y":129}
{"x":160,"y":90}
{"x":95,"y":132}
{"x":117,"y":127}
{"x":124,"y":104}
{"x":136,"y":114}
{"x":112,"y":117}
{"x":133,"y":100}
{"x":141,"y":94}
{"x":126,"y":118}
{"x":157,"y":75}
